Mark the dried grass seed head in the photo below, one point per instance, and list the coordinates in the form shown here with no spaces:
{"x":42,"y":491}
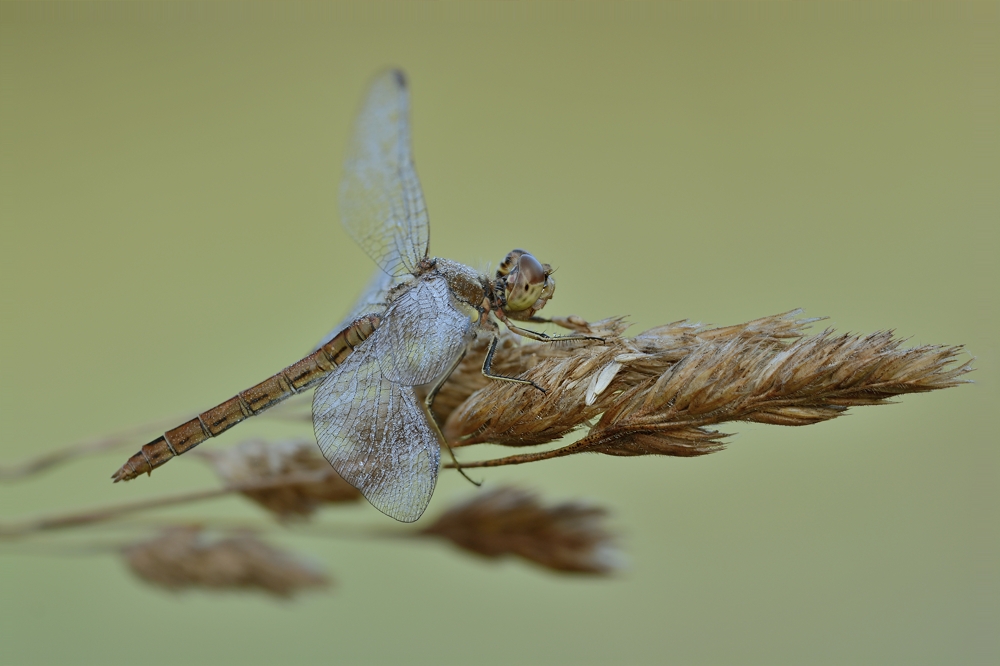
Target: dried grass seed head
{"x":568,"y":537}
{"x":185,"y":557}
{"x":258,"y":461}
{"x":656,"y":393}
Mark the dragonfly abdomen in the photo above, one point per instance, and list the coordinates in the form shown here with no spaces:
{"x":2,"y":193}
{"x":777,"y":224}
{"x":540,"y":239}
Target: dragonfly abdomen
{"x":295,"y":378}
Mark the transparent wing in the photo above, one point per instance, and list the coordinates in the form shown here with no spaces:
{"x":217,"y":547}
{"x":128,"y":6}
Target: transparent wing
{"x":371,"y":300}
{"x":381,"y":204}
{"x":375,"y":434}
{"x":422,"y":332}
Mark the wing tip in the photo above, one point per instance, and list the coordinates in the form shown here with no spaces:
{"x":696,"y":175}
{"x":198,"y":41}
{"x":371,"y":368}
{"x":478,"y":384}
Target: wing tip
{"x":398,"y":76}
{"x":408,"y":514}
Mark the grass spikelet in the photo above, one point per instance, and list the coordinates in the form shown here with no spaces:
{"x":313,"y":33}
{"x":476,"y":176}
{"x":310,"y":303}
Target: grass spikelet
{"x":252,"y":462}
{"x":657,"y":393}
{"x":567,"y":537}
{"x":185,"y":557}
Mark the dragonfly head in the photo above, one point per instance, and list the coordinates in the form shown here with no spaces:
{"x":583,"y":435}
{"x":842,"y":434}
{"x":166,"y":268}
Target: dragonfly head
{"x":527,"y":284}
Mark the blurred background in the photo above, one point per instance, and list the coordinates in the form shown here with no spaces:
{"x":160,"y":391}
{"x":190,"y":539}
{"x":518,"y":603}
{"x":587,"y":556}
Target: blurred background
{"x":168,"y":179}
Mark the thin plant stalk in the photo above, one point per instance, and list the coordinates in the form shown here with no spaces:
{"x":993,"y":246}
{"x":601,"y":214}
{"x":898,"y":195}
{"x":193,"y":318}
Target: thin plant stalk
{"x":103,"y":514}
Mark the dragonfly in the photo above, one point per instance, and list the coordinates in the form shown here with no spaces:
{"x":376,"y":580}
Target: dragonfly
{"x":410,"y":328}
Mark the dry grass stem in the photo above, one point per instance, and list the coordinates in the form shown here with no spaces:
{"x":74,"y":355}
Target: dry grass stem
{"x":103,"y":514}
{"x":257,"y":461}
{"x":508,"y":521}
{"x":290,"y":410}
{"x":185,"y":557}
{"x":656,"y":393}
{"x":47,"y":461}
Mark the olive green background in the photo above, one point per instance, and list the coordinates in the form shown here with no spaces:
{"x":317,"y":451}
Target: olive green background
{"x":168,"y":179}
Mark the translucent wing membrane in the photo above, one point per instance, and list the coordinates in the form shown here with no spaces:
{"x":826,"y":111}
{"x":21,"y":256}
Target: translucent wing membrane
{"x":368,"y":421}
{"x":422,"y":333}
{"x":371,"y":301}
{"x":375,"y":434}
{"x":381,"y":204}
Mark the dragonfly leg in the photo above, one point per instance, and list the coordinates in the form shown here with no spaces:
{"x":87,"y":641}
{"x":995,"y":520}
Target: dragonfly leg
{"x":428,"y":405}
{"x":429,"y":400}
{"x":488,"y":362}
{"x":542,"y":337}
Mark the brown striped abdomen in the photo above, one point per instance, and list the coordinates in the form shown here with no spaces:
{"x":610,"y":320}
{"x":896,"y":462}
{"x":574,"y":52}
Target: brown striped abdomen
{"x":295,"y":378}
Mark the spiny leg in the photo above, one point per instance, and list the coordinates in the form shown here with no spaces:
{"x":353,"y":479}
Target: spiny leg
{"x":542,"y":337}
{"x":488,"y":362}
{"x":429,"y":402}
{"x":531,"y":335}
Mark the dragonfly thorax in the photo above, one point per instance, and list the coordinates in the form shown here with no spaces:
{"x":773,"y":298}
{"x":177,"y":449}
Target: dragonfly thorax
{"x":523,"y":285}
{"x":467,"y":285}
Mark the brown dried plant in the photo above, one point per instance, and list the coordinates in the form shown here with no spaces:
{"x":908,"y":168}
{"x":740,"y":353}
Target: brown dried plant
{"x":186,"y":557}
{"x":256,"y":461}
{"x":656,"y":393}
{"x":283,"y":477}
{"x":508,"y":521}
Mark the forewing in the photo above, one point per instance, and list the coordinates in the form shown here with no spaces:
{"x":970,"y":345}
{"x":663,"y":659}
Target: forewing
{"x":381,"y":204}
{"x":376,"y":435}
{"x":422,"y":332}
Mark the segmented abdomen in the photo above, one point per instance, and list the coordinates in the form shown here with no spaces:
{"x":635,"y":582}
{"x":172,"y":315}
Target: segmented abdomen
{"x":295,"y":378}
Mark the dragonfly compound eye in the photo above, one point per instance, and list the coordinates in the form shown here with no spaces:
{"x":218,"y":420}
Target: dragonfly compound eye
{"x":526,"y":283}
